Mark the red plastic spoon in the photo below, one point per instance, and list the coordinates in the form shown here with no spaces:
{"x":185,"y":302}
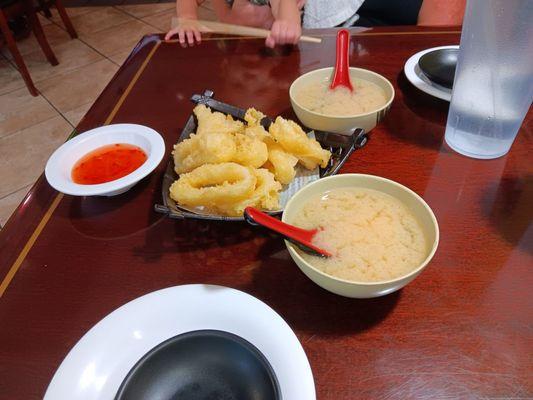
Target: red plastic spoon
{"x":301,"y":237}
{"x":341,"y":76}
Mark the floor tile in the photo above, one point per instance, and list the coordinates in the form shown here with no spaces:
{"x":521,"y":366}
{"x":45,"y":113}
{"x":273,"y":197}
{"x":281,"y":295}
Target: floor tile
{"x":20,"y":110}
{"x":24,"y":154}
{"x":74,"y":116}
{"x":81,"y":86}
{"x":54,"y":35}
{"x":98,"y":20}
{"x":43,"y":20}
{"x":72,"y":12}
{"x":71,"y":55}
{"x":144,"y":10}
{"x":119,"y":58}
{"x":161,"y":21}
{"x":77,"y":11}
{"x":9,"y":203}
{"x":10,"y":78}
{"x":119,"y":38}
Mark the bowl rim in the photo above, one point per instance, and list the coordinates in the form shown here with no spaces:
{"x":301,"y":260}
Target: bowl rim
{"x":53,"y":165}
{"x":423,"y":264}
{"x":343,"y":117}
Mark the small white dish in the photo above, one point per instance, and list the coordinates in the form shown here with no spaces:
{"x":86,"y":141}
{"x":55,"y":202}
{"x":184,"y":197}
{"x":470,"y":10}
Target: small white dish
{"x":415,"y":75}
{"x":59,"y":166}
{"x":96,"y":366}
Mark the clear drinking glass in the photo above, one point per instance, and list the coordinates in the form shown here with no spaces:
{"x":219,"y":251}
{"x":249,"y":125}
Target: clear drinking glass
{"x":493,"y":86}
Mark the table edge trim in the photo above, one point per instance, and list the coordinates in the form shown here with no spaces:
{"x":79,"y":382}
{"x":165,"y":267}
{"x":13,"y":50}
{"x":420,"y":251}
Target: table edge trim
{"x":8,"y":278}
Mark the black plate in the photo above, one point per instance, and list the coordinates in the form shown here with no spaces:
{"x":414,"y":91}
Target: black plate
{"x":439,"y":66}
{"x":201,"y":365}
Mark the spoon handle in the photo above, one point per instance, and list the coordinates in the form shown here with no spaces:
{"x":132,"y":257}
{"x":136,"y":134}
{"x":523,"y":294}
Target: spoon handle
{"x":341,"y":76}
{"x":301,"y":236}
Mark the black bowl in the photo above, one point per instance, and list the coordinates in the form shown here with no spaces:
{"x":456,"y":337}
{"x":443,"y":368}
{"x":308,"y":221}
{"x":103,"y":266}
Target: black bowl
{"x":201,"y":365}
{"x":439,"y":66}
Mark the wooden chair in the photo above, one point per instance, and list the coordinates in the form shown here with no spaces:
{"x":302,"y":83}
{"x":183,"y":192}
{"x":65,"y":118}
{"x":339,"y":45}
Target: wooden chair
{"x":13,"y":8}
{"x":44,"y":7}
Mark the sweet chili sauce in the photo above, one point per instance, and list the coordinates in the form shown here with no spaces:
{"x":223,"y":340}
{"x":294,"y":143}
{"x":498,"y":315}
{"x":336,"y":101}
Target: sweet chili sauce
{"x":108,"y":163}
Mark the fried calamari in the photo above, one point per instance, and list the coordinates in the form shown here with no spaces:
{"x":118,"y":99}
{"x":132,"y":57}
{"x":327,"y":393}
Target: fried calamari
{"x":228,"y":165}
{"x":211,"y":185}
{"x":281,"y":163}
{"x":265,"y":195}
{"x":294,"y":140}
{"x":203,"y":149}
{"x":250,"y":151}
{"x":215,"y":122}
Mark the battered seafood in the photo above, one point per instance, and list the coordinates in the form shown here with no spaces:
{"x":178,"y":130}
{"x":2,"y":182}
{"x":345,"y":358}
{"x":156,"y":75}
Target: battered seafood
{"x":215,"y":122}
{"x":265,"y":195}
{"x":251,"y":151}
{"x":228,"y":165}
{"x":281,"y":163}
{"x":214,"y":184}
{"x":294,"y":140}
{"x":253,"y":117}
{"x":203,"y":149}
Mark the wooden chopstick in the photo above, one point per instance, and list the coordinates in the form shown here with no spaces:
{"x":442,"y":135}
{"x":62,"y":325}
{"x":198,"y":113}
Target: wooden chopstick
{"x":229,"y":29}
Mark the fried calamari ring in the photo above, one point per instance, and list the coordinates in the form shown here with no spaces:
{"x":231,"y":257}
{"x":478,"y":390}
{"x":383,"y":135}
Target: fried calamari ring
{"x":280,"y":163}
{"x":203,"y":149}
{"x":265,"y":195}
{"x":214,"y":184}
{"x":215,"y":122}
{"x":251,"y":151}
{"x":294,"y":140}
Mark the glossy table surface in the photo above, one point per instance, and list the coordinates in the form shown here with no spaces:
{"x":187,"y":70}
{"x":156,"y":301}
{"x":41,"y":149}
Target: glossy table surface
{"x":462,"y":329}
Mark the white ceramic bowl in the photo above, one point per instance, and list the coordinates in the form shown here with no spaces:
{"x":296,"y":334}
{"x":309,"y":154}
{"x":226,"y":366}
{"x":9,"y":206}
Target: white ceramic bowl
{"x":96,"y":366}
{"x":347,"y":288}
{"x":345,"y":125}
{"x":59,"y":166}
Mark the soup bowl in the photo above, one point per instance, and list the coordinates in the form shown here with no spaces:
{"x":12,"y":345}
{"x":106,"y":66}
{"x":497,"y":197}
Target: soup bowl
{"x":348,"y":288}
{"x":202,"y":364}
{"x":341,"y":124}
{"x":58,"y":169}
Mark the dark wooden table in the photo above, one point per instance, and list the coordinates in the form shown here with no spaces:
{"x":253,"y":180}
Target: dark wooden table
{"x":463,"y":329}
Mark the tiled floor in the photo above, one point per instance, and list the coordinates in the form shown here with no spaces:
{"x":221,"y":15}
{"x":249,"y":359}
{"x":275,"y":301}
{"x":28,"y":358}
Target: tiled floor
{"x":31,"y":128}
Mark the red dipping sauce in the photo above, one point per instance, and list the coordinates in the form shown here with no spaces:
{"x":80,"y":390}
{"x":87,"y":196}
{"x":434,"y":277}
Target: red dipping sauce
{"x":108,"y":163}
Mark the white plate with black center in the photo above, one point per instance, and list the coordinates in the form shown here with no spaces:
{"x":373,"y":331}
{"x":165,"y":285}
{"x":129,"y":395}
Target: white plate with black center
{"x":99,"y":363}
{"x":415,"y":75}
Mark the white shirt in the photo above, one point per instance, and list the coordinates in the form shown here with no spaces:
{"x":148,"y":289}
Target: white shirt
{"x":329,"y":13}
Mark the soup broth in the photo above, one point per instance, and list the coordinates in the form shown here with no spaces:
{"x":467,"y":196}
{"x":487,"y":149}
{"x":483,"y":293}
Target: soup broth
{"x":372,"y":236}
{"x":318,"y":97}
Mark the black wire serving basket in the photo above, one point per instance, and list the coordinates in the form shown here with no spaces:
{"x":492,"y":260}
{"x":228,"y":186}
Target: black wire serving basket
{"x":341,"y":146}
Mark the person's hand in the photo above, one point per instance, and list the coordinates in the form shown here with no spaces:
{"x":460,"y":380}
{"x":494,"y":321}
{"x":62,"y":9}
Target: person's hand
{"x":187,"y":31}
{"x":284,"y":32}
